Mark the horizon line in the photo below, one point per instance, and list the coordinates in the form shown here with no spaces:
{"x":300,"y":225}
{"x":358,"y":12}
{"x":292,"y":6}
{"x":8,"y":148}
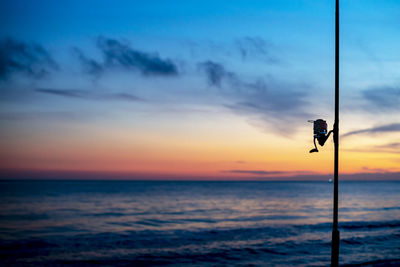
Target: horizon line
{"x":135,"y":176}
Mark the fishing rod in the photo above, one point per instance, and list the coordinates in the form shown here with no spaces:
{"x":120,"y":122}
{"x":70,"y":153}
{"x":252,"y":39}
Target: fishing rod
{"x":335,"y":231}
{"x":321,"y":134}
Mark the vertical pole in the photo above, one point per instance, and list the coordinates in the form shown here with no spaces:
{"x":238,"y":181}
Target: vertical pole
{"x":335,"y":231}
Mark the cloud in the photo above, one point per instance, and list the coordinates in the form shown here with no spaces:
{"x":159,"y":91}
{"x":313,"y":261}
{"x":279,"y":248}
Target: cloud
{"x":254,"y":47}
{"x":90,"y":66}
{"x":43,"y":115}
{"x":394,"y":127}
{"x":216,"y":73}
{"x":20,"y":57}
{"x":254,"y":172}
{"x":260,"y":174}
{"x":376,"y":170}
{"x":120,"y":55}
{"x":274,"y":107}
{"x":124,"y":96}
{"x":63,"y":92}
{"x":390,"y":146}
{"x":386,"y":148}
{"x":275,"y":99}
{"x":264,"y":102}
{"x":383,"y":98}
{"x":85,"y":94}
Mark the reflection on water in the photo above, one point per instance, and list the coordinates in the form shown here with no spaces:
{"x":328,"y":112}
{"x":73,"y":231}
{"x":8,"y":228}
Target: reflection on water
{"x":123,"y":222}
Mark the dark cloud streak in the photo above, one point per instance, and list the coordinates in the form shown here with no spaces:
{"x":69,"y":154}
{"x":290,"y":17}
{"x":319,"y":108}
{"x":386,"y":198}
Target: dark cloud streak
{"x":216,"y":73}
{"x":394,"y":127}
{"x":85,"y":94}
{"x":19,"y":57}
{"x":254,"y":172}
{"x":63,"y":92}
{"x":117,"y":54}
{"x":391,"y":148}
{"x":383,"y":98}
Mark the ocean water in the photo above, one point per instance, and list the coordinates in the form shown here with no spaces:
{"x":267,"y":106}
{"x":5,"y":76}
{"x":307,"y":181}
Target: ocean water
{"x":131,"y":223}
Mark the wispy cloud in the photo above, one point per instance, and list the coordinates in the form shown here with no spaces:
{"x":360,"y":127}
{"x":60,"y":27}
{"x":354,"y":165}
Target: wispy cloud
{"x":383,"y":98}
{"x":390,"y":146}
{"x":261,"y":174}
{"x":86,"y":94}
{"x":386,"y":148}
{"x":269,"y":102}
{"x":90,"y":66}
{"x":118,"y":54}
{"x":378,"y":170}
{"x":47,"y":115}
{"x":275,"y":100}
{"x":20,"y":57}
{"x":254,"y":172}
{"x":254,"y":47}
{"x":394,"y":127}
{"x":216,"y":73}
{"x":63,"y":92}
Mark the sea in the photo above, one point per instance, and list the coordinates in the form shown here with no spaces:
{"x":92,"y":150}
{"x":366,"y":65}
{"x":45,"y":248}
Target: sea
{"x":196,"y":223}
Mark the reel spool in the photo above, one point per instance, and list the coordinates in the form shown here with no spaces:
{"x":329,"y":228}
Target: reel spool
{"x":320,"y":133}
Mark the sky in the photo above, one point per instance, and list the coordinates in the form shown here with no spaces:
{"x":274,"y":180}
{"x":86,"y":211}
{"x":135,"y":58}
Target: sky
{"x":197,"y":89}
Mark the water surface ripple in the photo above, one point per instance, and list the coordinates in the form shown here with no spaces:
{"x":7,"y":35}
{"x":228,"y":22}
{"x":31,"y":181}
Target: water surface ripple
{"x":125,"y":223}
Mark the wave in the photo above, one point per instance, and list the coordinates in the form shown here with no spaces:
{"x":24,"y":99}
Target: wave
{"x":370,"y":225}
{"x":395,"y":262}
{"x":283,"y":245}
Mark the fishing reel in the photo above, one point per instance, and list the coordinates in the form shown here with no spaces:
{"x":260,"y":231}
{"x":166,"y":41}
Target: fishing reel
{"x":320,"y":133}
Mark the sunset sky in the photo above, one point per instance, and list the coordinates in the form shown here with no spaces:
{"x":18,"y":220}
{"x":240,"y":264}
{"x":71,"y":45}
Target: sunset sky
{"x":197,"y":89}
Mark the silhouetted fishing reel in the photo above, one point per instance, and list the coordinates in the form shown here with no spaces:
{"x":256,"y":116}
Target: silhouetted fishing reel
{"x":320,"y":133}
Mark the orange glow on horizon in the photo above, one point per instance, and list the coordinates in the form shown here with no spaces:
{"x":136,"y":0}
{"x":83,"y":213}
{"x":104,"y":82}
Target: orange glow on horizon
{"x":232,"y":148}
